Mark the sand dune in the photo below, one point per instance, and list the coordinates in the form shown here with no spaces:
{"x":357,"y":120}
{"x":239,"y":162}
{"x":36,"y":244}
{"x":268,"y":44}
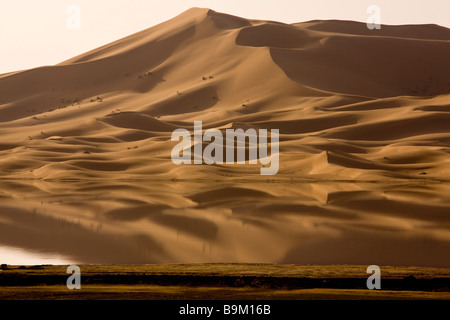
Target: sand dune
{"x":364,"y":97}
{"x":351,"y":104}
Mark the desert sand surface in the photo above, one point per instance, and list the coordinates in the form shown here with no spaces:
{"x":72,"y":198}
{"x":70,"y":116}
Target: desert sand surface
{"x":363,"y":115}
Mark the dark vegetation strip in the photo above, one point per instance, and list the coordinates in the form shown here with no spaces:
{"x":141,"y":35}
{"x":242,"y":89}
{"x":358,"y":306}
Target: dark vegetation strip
{"x":407,"y":283}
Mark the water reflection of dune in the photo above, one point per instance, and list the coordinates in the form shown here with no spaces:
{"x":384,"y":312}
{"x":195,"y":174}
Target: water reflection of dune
{"x":130,"y":222}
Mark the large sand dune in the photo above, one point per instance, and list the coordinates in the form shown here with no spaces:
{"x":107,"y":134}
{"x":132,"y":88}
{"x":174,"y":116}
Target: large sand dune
{"x":351,"y":104}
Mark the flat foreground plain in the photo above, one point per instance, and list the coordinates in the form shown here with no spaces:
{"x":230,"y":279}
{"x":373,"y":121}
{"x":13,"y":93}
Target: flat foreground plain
{"x":223,"y":282}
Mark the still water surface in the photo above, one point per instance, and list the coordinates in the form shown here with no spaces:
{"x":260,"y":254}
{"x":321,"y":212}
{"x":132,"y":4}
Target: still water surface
{"x":141,"y":222}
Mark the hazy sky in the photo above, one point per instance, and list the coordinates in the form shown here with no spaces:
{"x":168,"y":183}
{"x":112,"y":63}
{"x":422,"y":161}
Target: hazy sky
{"x":35,"y":32}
